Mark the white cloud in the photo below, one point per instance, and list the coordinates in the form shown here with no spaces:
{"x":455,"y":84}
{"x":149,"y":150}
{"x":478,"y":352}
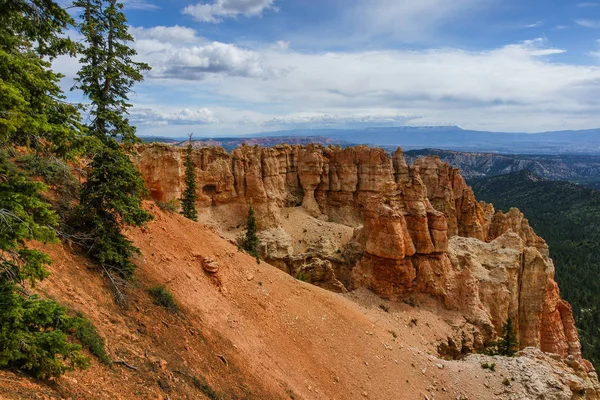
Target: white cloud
{"x":218,"y":10}
{"x":588,"y":23}
{"x":199,"y":62}
{"x":225,"y":88}
{"x":535,"y":24}
{"x":407,"y":20}
{"x":139,"y":5}
{"x":165,"y":33}
{"x":509,"y":88}
{"x":588,"y":4}
{"x":186,"y":116}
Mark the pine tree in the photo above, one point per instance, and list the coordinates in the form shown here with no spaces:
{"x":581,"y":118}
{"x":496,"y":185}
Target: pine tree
{"x":112,"y":195}
{"x":33,"y":112}
{"x":108,"y":72}
{"x":33,"y":332}
{"x":508,"y":344}
{"x":188,"y":201}
{"x":250,"y":241}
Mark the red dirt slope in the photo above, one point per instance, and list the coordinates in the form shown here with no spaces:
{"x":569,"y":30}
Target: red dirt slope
{"x":249,"y":331}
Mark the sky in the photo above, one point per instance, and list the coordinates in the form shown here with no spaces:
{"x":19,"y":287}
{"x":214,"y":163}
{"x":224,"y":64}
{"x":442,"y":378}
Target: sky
{"x":229,"y":67}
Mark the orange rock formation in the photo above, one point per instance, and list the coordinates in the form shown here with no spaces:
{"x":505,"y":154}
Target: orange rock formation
{"x":420,"y":230}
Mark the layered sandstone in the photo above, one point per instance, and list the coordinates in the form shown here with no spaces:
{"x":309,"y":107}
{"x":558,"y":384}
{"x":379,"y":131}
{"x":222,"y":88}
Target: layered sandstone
{"x":419,"y":230}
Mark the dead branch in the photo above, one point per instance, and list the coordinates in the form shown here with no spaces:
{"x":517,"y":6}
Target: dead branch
{"x":125,"y":364}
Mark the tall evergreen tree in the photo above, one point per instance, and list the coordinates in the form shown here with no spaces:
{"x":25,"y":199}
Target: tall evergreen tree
{"x":188,"y":201}
{"x":250,"y":240}
{"x":112,"y":195}
{"x":33,"y":112}
{"x":33,"y":332}
{"x":108,"y":72}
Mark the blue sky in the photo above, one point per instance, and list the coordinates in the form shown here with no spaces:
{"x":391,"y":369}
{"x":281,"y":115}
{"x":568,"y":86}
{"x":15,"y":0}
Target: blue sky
{"x":225,"y":67}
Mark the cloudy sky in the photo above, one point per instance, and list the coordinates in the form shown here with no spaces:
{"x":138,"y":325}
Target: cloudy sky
{"x":224,"y":67}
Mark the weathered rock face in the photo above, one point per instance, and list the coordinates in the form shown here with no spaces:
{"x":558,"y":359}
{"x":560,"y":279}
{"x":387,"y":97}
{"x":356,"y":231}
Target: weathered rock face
{"x":419,"y":230}
{"x":490,"y":281}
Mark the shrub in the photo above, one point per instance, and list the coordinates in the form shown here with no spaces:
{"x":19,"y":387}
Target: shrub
{"x":303,"y":277}
{"x":33,"y":336}
{"x":163,"y":297}
{"x":170,"y":206}
{"x":54,"y":171}
{"x":206,"y":389}
{"x":491,"y":367}
{"x":87,"y":334}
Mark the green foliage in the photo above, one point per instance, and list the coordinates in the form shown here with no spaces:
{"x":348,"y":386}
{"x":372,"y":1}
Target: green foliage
{"x":33,"y":111}
{"x":33,"y":335}
{"x":108,"y":72}
{"x":567,"y":216}
{"x":491,"y":367}
{"x":168,"y":206}
{"x":112,"y":196}
{"x":250,"y":242}
{"x":87,"y":334}
{"x":163,"y":297}
{"x":508,"y":344}
{"x":33,"y":332}
{"x":24,"y":216}
{"x":55,"y":173}
{"x":206,"y":389}
{"x":188,"y":202}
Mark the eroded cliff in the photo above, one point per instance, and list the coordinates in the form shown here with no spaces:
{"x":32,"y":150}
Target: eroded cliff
{"x":419,"y":231}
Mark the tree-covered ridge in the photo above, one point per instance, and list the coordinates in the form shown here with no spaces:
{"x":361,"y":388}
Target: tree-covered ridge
{"x":567,"y":215}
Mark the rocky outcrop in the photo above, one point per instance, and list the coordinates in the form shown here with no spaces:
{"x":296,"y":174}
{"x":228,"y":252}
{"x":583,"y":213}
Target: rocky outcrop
{"x":315,"y":265}
{"x":419,"y":230}
{"x":535,"y":375}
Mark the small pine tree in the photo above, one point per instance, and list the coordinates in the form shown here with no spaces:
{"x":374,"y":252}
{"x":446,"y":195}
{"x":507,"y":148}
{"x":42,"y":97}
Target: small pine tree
{"x":508,"y":345}
{"x":250,"y":241}
{"x":33,"y":332}
{"x":188,"y":201}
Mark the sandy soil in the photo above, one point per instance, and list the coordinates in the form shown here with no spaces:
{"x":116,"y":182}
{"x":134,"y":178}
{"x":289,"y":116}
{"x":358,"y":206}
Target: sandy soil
{"x":281,"y":338}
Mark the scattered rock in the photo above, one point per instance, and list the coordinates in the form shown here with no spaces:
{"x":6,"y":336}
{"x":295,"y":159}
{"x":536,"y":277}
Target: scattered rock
{"x":210,"y":265}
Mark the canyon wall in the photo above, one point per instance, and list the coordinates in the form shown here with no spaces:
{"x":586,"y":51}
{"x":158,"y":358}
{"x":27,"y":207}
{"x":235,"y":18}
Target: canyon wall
{"x":419,"y":229}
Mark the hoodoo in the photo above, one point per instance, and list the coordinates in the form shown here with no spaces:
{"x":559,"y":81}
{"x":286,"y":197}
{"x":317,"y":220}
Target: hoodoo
{"x":419,"y":232}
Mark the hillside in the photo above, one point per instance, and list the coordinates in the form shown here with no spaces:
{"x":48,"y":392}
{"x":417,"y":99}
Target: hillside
{"x":253,"y":332}
{"x":584,"y":169}
{"x":416,"y":303}
{"x":568,"y":217}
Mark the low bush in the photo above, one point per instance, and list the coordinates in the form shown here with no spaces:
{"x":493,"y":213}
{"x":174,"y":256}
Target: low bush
{"x":164,"y":298}
{"x":87,"y":334}
{"x":33,"y":336}
{"x":171,"y":206}
{"x":206,"y":389}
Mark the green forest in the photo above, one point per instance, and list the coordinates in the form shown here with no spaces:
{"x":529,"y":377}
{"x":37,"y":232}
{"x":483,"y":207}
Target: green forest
{"x":567,"y":216}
